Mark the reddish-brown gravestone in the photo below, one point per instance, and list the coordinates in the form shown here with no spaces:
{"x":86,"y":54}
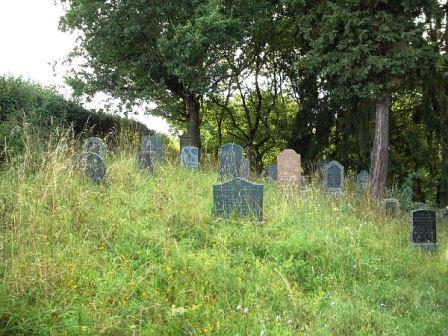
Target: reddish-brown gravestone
{"x":288,"y":169}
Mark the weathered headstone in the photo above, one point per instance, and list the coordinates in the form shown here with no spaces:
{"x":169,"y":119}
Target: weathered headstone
{"x":391,"y":206}
{"x":189,"y":157}
{"x":424,"y":229}
{"x":271,"y":172}
{"x":245,"y":169}
{"x":153,"y":143}
{"x":230,"y":161}
{"x":240,"y":197}
{"x":94,"y":145}
{"x":289,"y":169}
{"x":334,"y":178}
{"x":93,"y":166}
{"x":362,"y":181}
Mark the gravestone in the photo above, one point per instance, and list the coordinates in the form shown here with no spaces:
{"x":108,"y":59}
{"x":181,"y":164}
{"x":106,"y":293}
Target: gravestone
{"x":362,"y":181}
{"x":391,"y":206}
{"x":334,"y":178}
{"x":245,"y":169}
{"x":94,"y":145}
{"x":240,"y":197}
{"x":189,"y":157}
{"x":94,"y":167}
{"x":320,"y":169}
{"x":289,"y":169}
{"x":271,"y":172}
{"x":153,"y":143}
{"x":230,"y":161}
{"x":424,"y":229}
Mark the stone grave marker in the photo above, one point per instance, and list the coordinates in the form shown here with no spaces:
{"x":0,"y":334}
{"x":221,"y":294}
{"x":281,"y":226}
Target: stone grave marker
{"x":362,"y":181}
{"x":334,"y":178}
{"x":271,"y":172}
{"x":289,"y":169}
{"x":94,"y":167}
{"x":189,"y":157}
{"x":153,"y":143}
{"x":391,"y":206}
{"x":240,"y":197}
{"x":94,"y":145}
{"x":424,"y":229}
{"x":230,"y":161}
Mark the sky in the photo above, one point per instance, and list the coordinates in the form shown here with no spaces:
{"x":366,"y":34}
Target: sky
{"x":30,"y":43}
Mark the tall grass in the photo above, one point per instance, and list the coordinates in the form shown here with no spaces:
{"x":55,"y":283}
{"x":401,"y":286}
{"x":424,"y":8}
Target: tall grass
{"x":145,"y":256}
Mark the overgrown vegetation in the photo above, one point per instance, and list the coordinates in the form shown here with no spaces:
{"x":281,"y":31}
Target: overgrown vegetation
{"x":145,"y":256}
{"x":29,"y":108}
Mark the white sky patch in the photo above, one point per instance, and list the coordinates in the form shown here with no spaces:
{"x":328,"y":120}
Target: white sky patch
{"x":31,"y":42}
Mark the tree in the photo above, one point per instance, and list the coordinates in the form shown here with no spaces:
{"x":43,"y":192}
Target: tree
{"x":365,"y":50}
{"x":166,"y":51}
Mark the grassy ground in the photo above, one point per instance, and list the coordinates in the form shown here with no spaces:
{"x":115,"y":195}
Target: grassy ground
{"x":146,"y":256}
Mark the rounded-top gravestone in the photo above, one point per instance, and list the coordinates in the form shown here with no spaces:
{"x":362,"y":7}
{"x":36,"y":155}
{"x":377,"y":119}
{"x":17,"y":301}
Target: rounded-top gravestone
{"x":334,"y":178}
{"x":230,"y":161}
{"x":94,"y":145}
{"x":189,"y":157}
{"x":289,"y":169}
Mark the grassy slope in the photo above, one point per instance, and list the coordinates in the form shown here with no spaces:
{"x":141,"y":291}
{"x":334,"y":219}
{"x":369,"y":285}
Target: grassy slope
{"x":147,"y":257}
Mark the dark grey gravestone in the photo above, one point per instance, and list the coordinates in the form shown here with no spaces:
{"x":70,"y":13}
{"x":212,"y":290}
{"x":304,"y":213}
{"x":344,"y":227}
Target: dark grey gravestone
{"x":240,"y":197}
{"x":189,"y":157}
{"x":391,"y":206}
{"x":334,"y":178}
{"x":153,"y":143}
{"x":362,"y":181}
{"x":271,"y":172}
{"x":94,"y":167}
{"x":424,"y":229}
{"x":245,"y":169}
{"x":94,"y":145}
{"x":230,"y":161}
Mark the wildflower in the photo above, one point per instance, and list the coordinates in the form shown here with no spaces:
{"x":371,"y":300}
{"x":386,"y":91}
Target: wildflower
{"x":278,"y":318}
{"x":245,"y":311}
{"x":333,"y":303}
{"x":289,"y":322}
{"x":262,"y":333}
{"x":238,"y":307}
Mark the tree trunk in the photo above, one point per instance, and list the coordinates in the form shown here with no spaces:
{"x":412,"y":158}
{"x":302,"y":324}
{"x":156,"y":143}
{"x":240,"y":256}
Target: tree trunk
{"x":442,"y":192}
{"x":193,"y":120}
{"x":380,"y":148}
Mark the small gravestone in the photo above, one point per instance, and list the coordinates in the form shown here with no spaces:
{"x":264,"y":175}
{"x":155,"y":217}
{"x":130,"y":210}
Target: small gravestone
{"x":334,"y":178}
{"x":245,"y":169}
{"x":94,"y":145}
{"x":289,"y":169}
{"x":271,"y":172}
{"x":240,"y":197}
{"x":93,"y":166}
{"x":362,"y":181}
{"x":424,"y":229}
{"x":230,"y":161}
{"x":391,"y":206}
{"x":189,"y":157}
{"x":153,"y":144}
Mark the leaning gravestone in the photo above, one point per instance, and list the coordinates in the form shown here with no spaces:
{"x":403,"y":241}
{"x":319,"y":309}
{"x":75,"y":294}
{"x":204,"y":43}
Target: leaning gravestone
{"x":391,"y":206}
{"x":271,"y":172}
{"x":424,"y":229}
{"x":189,"y":157}
{"x":94,"y":145}
{"x":230,"y":161}
{"x":289,"y":169}
{"x":362,"y":181}
{"x":240,"y":197}
{"x":334,"y":178}
{"x":153,"y":143}
{"x":94,"y":167}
